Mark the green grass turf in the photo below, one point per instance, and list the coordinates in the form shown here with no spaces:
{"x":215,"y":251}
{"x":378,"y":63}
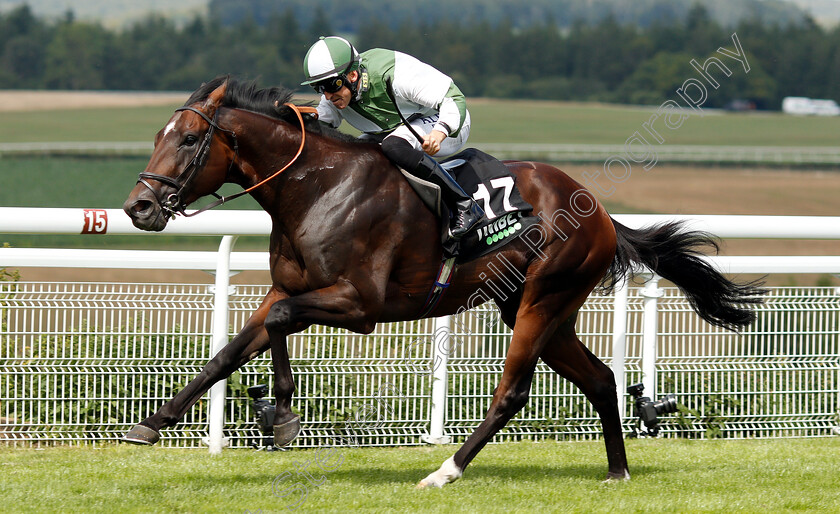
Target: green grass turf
{"x":94,"y":183}
{"x":779,"y":475}
{"x":114,"y":124}
{"x":105,"y":182}
{"x":551,"y":122}
{"x":68,"y":181}
{"x":493,"y":121}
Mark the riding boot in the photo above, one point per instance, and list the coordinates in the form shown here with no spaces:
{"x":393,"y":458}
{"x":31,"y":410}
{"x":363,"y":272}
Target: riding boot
{"x":466,"y":214}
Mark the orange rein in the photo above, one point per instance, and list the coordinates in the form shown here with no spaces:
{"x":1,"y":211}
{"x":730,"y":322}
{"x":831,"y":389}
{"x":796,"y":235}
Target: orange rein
{"x":298,"y":110}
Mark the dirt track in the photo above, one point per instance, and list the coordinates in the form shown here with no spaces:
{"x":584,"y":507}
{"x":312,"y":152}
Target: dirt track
{"x":714,"y":190}
{"x":693,"y":190}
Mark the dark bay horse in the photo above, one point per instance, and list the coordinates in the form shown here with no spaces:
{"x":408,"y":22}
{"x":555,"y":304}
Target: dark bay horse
{"x":352,"y":245}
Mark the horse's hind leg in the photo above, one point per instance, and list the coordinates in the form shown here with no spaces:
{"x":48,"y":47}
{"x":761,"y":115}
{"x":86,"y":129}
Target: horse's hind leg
{"x":535,"y":326}
{"x":248,"y":343}
{"x":567,"y":356}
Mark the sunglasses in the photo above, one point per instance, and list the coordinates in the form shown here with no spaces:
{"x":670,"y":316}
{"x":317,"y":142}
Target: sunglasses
{"x":331,"y":85}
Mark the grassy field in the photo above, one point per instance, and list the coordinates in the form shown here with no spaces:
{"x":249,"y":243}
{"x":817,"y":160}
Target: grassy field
{"x":493,"y":121}
{"x":105,"y":182}
{"x":553,"y":122}
{"x":113,"y":124}
{"x":668,"y":476}
{"x":93,"y":182}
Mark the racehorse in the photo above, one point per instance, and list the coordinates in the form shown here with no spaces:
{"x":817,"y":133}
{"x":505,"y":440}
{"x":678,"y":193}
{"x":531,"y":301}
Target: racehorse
{"x":352,"y":245}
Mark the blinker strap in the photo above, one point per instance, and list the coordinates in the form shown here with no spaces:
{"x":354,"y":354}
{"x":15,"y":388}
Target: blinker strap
{"x":212,"y":122}
{"x":193,"y":109}
{"x":173,"y":204}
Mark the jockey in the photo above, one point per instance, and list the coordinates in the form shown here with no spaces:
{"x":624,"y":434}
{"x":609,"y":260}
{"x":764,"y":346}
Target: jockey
{"x":353,"y":88}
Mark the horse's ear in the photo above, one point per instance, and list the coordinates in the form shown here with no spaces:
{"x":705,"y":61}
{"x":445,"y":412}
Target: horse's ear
{"x":214,"y":99}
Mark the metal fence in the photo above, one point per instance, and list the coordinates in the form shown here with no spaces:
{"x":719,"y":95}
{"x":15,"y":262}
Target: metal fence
{"x":83,"y":362}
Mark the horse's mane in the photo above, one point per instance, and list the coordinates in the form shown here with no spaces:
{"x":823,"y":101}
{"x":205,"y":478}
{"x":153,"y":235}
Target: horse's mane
{"x":246,"y":95}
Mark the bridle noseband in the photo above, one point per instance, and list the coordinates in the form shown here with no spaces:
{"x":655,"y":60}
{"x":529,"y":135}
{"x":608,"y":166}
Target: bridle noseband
{"x":174,"y":203}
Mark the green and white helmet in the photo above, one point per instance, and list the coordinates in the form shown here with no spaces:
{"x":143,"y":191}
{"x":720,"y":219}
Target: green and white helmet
{"x":329,"y":57}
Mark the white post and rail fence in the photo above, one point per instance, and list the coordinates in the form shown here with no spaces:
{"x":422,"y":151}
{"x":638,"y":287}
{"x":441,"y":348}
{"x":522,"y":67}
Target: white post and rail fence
{"x":447,"y":383}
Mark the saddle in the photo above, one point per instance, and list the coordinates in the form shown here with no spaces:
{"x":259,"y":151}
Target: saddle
{"x":493,"y":186}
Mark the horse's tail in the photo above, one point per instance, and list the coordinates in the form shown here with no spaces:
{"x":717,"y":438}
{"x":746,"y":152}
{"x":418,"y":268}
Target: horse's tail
{"x":673,"y":253}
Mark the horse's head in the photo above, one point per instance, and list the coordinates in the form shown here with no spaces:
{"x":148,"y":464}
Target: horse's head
{"x":185,"y":164}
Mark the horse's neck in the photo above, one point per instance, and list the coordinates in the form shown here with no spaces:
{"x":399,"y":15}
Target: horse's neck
{"x":324,"y":166}
{"x":265,"y":147}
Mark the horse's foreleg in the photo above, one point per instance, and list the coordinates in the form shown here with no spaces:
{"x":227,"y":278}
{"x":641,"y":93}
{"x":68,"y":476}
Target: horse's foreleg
{"x":533,"y":329}
{"x":570,"y":359}
{"x":340,"y":306}
{"x":251,"y":341}
{"x":286,"y":422}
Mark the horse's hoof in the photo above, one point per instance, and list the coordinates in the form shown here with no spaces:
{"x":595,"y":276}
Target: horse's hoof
{"x":448,"y":472}
{"x":285,"y":433}
{"x":613,"y":476}
{"x":141,"y":434}
{"x":424,"y":484}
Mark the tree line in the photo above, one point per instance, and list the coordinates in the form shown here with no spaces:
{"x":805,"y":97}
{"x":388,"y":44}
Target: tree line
{"x":563,"y":13}
{"x":605,"y":61}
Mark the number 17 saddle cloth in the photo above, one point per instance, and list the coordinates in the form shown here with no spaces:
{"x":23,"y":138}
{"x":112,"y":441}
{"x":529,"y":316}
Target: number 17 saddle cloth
{"x":493,"y":186}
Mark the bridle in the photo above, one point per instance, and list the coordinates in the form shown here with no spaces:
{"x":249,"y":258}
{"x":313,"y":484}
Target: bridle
{"x":174,"y":203}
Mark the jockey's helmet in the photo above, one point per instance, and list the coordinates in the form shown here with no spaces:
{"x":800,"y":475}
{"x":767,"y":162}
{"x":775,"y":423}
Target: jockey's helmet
{"x":329,"y":57}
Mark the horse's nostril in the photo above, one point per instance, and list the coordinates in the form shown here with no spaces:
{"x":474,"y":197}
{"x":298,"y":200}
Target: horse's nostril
{"x":141,"y":206}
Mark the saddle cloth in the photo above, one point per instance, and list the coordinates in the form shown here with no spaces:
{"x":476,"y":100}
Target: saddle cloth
{"x":493,"y":186}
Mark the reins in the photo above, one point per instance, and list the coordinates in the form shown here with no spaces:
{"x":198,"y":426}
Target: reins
{"x":298,"y":110}
{"x":389,"y":89}
{"x":174,"y":204}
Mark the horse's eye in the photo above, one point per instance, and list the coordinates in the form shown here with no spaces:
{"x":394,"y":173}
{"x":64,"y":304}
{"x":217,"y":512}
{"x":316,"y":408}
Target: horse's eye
{"x":190,"y":140}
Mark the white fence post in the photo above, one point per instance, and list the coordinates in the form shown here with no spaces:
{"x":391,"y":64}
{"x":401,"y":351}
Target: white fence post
{"x":440,"y":356}
{"x":651,"y":293}
{"x":619,"y":344}
{"x":836,"y":429}
{"x":216,"y":416}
